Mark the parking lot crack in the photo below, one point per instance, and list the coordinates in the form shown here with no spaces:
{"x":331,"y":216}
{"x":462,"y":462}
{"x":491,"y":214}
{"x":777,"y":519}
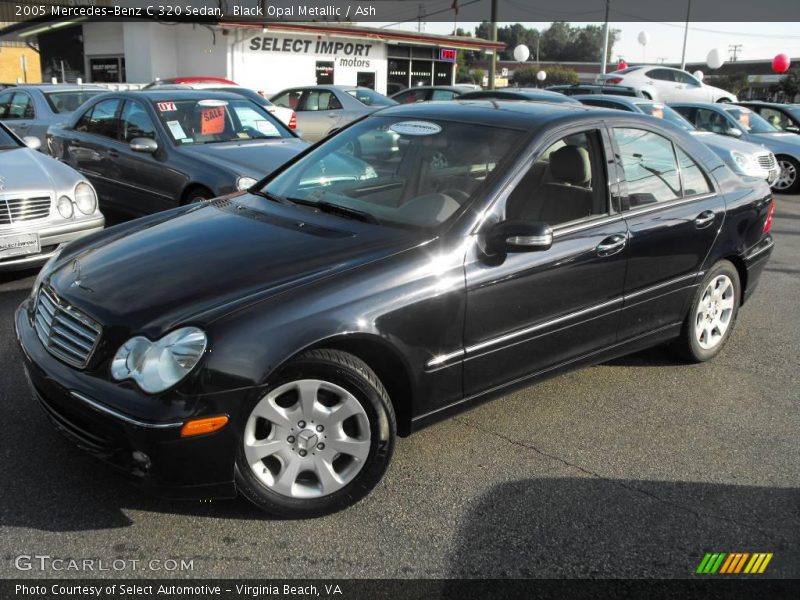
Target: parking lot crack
{"x":632,"y":488}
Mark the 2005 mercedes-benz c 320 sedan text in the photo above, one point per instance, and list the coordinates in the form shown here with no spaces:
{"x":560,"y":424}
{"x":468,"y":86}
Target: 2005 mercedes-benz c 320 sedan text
{"x":276,"y":341}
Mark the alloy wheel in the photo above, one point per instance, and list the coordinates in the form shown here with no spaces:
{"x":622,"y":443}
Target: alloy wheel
{"x":788,"y":175}
{"x":307,"y":439}
{"x":714,"y":312}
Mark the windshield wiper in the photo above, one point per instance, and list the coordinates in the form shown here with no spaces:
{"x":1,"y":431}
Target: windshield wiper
{"x":338,"y":209}
{"x":273,"y":197}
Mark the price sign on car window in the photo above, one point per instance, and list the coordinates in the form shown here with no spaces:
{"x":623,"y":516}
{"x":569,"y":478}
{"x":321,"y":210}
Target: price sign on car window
{"x":213,"y":120}
{"x":744,"y":119}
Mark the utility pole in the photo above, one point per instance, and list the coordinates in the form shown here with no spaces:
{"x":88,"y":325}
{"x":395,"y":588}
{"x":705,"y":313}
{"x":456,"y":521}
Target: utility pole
{"x":493,"y":61}
{"x":686,"y":35}
{"x":734,"y":50}
{"x":605,"y":40}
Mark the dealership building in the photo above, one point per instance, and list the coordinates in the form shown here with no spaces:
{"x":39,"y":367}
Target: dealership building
{"x":267,"y":57}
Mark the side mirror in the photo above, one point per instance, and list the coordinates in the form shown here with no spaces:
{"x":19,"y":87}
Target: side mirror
{"x":518,"y":236}
{"x":792,"y":129}
{"x":733,"y":132}
{"x":32,"y":142}
{"x":140,"y":144}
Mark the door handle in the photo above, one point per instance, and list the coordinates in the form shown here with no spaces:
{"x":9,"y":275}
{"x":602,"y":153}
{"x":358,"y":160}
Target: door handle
{"x":331,"y":115}
{"x":612,"y":244}
{"x":704,"y":219}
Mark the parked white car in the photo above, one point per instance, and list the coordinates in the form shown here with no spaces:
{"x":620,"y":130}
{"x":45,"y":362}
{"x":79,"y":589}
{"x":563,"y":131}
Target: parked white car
{"x":657,"y":82}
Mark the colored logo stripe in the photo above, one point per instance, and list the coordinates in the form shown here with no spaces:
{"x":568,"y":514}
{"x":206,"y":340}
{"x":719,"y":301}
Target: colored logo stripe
{"x":734,"y":563}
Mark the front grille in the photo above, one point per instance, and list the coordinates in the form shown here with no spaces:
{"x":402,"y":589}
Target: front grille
{"x":66,"y":332}
{"x":17,"y":210}
{"x":766,"y":161}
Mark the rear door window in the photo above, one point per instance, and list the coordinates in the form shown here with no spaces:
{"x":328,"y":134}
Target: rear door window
{"x":20,"y":107}
{"x":648,"y":161}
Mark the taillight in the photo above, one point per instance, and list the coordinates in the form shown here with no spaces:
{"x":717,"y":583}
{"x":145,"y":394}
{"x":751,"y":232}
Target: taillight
{"x":293,"y":121}
{"x":613,"y":80}
{"x":770,"y":212}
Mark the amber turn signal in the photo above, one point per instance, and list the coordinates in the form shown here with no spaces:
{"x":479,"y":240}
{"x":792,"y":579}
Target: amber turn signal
{"x":205,"y":425}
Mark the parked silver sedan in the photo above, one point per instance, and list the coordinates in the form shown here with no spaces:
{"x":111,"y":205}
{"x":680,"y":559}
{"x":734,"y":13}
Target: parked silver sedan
{"x":322,"y":109}
{"x":43,"y":204}
{"x":31,"y":109}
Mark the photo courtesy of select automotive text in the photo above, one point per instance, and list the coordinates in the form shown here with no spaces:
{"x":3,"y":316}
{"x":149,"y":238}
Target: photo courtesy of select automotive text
{"x":393,"y":299}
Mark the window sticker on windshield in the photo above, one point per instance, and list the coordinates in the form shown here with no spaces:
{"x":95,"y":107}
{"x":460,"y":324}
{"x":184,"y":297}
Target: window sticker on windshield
{"x":176,"y":130}
{"x":658,"y":111}
{"x":415,"y":128}
{"x":212,"y":102}
{"x":166,"y":106}
{"x":213,"y":120}
{"x":744,"y":119}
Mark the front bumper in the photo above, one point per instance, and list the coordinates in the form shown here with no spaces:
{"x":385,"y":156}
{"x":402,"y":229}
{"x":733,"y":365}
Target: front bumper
{"x":50,"y":238}
{"x":149,"y":451}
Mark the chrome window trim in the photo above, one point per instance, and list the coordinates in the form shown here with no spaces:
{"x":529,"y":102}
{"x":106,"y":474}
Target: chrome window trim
{"x":121,"y":416}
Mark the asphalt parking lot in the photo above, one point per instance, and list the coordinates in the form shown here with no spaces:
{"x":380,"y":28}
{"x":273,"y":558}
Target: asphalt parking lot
{"x":634,"y":468}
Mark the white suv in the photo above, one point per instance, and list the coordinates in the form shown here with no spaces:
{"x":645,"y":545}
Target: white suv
{"x":665,"y":84}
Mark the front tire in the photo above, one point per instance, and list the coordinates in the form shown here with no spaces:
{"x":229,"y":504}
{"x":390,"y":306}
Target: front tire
{"x":789,"y":180}
{"x":319,"y":439}
{"x":712,"y":315}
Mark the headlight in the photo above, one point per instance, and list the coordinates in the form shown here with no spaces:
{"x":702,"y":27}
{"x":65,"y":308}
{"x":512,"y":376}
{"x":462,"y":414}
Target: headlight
{"x":156,"y":366}
{"x":45,"y":271}
{"x":85,"y":198}
{"x":748,"y":164}
{"x":65,"y":208}
{"x":245,"y":183}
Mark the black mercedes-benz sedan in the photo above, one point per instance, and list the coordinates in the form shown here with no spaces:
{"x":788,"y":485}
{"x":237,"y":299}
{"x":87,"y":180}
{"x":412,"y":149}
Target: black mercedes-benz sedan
{"x":275,"y":342}
{"x":150,"y":150}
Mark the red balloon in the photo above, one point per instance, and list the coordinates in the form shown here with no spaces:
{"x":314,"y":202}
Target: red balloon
{"x":781,"y":63}
{"x":622,"y":65}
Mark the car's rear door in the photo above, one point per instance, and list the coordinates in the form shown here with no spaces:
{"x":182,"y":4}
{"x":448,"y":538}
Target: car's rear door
{"x":85,"y":147}
{"x":530,"y":312}
{"x":674,"y":213}
{"x":663,"y":80}
{"x":318,"y":112}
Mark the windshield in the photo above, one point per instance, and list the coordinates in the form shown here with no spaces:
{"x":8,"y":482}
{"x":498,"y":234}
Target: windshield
{"x":198,"y":121}
{"x":661,"y":111}
{"x":369,"y":97}
{"x":7,"y":141}
{"x":749,"y":121}
{"x":65,"y":102}
{"x":398,"y":171}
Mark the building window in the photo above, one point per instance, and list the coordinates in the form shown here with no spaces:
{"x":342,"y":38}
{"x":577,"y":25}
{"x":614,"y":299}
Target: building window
{"x":109,"y":69}
{"x":324,"y":72}
{"x":366,"y":79}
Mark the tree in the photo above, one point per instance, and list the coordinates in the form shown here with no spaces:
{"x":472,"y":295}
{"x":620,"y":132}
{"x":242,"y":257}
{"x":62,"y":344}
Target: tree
{"x":556,"y":75}
{"x":789,"y":84}
{"x":559,"y":42}
{"x":733,"y":82}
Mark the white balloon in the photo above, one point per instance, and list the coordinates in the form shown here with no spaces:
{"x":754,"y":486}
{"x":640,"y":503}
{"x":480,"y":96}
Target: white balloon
{"x":643,"y":38}
{"x":521,"y":53}
{"x":541,"y":75}
{"x":699,"y":75}
{"x":714,"y":59}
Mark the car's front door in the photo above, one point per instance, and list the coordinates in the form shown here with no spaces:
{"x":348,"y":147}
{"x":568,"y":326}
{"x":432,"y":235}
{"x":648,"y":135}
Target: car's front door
{"x":673,"y":214}
{"x":318,"y":112}
{"x":530,"y":312}
{"x":148,"y":185}
{"x":19,"y":113}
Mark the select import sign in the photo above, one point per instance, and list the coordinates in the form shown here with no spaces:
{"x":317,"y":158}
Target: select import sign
{"x":307,"y":46}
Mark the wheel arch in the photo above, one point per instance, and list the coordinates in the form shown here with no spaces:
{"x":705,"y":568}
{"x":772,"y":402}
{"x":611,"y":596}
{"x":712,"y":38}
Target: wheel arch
{"x":741,"y":269}
{"x":191,"y":187}
{"x":388,"y":364}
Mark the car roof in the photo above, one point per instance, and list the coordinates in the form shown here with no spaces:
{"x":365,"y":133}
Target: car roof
{"x":179,"y":94}
{"x":529,"y":116}
{"x":58,"y":87}
{"x":611,"y":98}
{"x":522,"y":93}
{"x":714,"y":105}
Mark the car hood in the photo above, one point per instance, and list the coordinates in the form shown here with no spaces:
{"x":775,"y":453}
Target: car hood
{"x":24,"y":170}
{"x":253,"y":158}
{"x":195,"y":263}
{"x":785,"y":143}
{"x":724,"y":143}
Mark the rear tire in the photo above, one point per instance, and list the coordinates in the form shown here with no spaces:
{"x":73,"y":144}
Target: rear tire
{"x":315,"y":462}
{"x":712,"y":314}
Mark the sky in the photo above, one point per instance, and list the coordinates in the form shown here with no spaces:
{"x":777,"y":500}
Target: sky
{"x":758,"y":40}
